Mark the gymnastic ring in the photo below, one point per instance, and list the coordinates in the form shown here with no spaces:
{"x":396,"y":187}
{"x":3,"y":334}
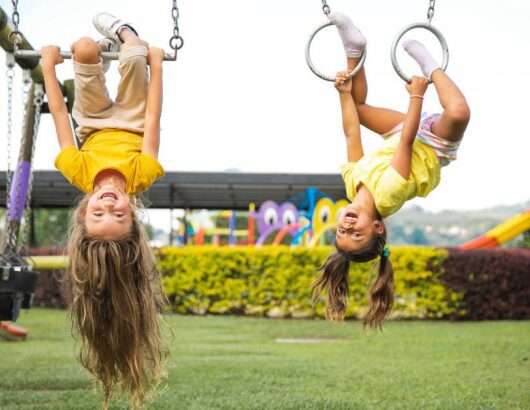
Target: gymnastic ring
{"x":428,"y":27}
{"x":312,"y":66}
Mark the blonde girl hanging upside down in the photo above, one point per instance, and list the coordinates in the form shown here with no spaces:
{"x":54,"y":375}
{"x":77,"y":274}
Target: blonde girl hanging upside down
{"x":378,"y":184}
{"x":114,"y":285}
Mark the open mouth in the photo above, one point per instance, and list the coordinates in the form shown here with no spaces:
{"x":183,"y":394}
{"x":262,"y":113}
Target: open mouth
{"x":111,"y":195}
{"x":350,"y":216}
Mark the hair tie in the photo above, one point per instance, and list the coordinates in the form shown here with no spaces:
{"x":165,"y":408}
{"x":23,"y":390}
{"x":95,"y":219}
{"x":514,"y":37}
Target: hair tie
{"x":386,"y":252}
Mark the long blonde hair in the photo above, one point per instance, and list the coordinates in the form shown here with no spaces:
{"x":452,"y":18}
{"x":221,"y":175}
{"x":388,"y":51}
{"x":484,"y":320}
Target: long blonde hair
{"x":115,"y":299}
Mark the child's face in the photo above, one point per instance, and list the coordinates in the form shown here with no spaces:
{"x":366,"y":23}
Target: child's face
{"x":108,"y":215}
{"x":355,"y":228}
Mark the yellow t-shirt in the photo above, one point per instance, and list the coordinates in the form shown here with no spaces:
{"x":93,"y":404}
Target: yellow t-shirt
{"x":389,"y":189}
{"x":109,"y":149}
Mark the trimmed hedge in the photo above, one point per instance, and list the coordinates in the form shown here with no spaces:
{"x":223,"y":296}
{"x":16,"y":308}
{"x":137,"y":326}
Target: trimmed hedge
{"x":276,"y":281}
{"x":495,"y":282}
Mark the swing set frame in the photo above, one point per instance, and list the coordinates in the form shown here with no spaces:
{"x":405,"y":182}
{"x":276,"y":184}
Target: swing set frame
{"x":18,"y":279}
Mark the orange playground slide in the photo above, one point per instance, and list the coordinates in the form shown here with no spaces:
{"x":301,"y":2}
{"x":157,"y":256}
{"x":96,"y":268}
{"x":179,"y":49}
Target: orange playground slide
{"x":501,"y":233}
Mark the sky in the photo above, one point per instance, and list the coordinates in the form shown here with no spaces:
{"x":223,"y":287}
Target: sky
{"x":241,"y":97}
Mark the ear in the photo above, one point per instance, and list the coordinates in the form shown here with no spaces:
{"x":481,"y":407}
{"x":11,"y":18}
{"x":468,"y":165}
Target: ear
{"x":379,"y":228}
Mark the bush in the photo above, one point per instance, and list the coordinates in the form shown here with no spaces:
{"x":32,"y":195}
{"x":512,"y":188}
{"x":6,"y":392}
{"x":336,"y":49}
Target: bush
{"x":495,"y":282}
{"x":276,"y":281}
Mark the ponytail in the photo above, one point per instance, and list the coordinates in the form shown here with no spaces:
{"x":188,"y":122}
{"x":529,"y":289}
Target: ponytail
{"x":381,"y":294}
{"x":334,"y":277}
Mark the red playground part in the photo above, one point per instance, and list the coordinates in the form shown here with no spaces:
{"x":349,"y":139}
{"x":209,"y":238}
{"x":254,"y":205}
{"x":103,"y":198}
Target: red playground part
{"x":12,"y":332}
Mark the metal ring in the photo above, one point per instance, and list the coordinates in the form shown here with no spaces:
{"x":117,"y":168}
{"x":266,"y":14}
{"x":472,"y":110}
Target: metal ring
{"x":312,"y":66}
{"x":176,"y":42}
{"x":426,"y":26}
{"x":15,"y":37}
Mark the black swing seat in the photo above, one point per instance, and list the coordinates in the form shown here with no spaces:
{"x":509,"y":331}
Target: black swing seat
{"x":17,"y":285}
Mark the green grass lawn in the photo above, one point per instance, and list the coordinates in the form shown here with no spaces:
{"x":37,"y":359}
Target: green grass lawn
{"x":238,"y":363}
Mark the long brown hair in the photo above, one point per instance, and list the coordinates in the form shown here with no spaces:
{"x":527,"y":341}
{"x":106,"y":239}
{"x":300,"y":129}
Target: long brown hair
{"x":334,"y":277}
{"x":115,"y":302}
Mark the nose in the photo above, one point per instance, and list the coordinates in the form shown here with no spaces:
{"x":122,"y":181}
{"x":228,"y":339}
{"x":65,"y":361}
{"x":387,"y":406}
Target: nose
{"x":108,"y":205}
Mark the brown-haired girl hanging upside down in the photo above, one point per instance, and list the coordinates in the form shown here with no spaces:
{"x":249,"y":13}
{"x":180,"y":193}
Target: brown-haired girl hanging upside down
{"x":416,"y":146}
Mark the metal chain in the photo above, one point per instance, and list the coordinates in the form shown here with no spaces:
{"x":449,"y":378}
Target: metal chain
{"x":37,"y":101}
{"x":10,"y":73}
{"x":430,"y":11}
{"x":176,"y":41}
{"x":325,"y":8}
{"x":15,"y":36}
{"x":25,"y":96}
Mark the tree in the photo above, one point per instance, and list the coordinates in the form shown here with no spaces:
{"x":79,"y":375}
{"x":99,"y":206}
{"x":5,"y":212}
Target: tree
{"x":525,"y":240}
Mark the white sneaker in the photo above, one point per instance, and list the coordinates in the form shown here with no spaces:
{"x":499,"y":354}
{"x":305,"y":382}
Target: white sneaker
{"x":110,"y":26}
{"x":112,"y":46}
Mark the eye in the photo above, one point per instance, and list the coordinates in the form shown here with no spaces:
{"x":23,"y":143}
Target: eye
{"x":288,"y":214}
{"x":267,"y":215}
{"x":119,"y":214}
{"x":270,"y":216}
{"x":340,"y":206}
{"x":324,"y":214}
{"x":288,"y":217}
{"x":98,"y":213}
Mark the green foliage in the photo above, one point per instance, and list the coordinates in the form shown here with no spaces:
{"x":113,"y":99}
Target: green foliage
{"x":276,"y":281}
{"x":524,"y":242}
{"x":51,"y":227}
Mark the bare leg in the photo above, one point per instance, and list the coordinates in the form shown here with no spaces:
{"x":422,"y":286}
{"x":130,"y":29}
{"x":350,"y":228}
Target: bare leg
{"x":376,"y":119}
{"x":130,"y":38}
{"x":455,"y":117}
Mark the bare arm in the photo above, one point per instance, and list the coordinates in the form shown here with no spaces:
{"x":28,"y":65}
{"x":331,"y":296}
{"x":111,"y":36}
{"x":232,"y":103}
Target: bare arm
{"x":151,"y":141}
{"x":350,"y":119}
{"x":58,"y":110}
{"x":401,"y":161}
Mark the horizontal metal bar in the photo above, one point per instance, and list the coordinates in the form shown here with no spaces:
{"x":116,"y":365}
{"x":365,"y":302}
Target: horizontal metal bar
{"x":48,"y":262}
{"x":35,"y":54}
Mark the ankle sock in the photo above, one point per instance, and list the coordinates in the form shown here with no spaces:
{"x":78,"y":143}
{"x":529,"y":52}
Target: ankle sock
{"x":352,"y":38}
{"x":422,"y":56}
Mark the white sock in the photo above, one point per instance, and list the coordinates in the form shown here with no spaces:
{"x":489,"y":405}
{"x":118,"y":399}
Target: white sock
{"x":352,"y":39}
{"x":422,"y":56}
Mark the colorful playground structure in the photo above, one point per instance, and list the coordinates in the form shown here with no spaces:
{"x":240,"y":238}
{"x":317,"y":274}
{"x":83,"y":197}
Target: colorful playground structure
{"x":502,"y":233}
{"x":304,"y":219}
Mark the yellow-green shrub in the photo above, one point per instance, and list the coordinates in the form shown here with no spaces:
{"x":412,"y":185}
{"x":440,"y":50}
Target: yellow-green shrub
{"x":276,"y":281}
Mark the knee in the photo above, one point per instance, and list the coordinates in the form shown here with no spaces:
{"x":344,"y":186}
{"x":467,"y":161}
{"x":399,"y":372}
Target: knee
{"x":459,"y":112}
{"x":135,"y":42}
{"x":86,"y":51}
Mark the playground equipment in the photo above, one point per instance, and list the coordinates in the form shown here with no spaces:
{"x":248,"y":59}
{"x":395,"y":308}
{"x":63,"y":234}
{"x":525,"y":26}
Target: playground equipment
{"x":21,"y":51}
{"x":308,"y":214}
{"x":206,"y":226}
{"x":17,"y":276}
{"x":427,"y":26}
{"x":325,"y":218}
{"x":326,"y":10}
{"x":272,"y":217}
{"x":12,"y":332}
{"x":502,"y":233}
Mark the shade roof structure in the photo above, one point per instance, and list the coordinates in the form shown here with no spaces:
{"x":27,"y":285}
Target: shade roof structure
{"x":194,"y":190}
